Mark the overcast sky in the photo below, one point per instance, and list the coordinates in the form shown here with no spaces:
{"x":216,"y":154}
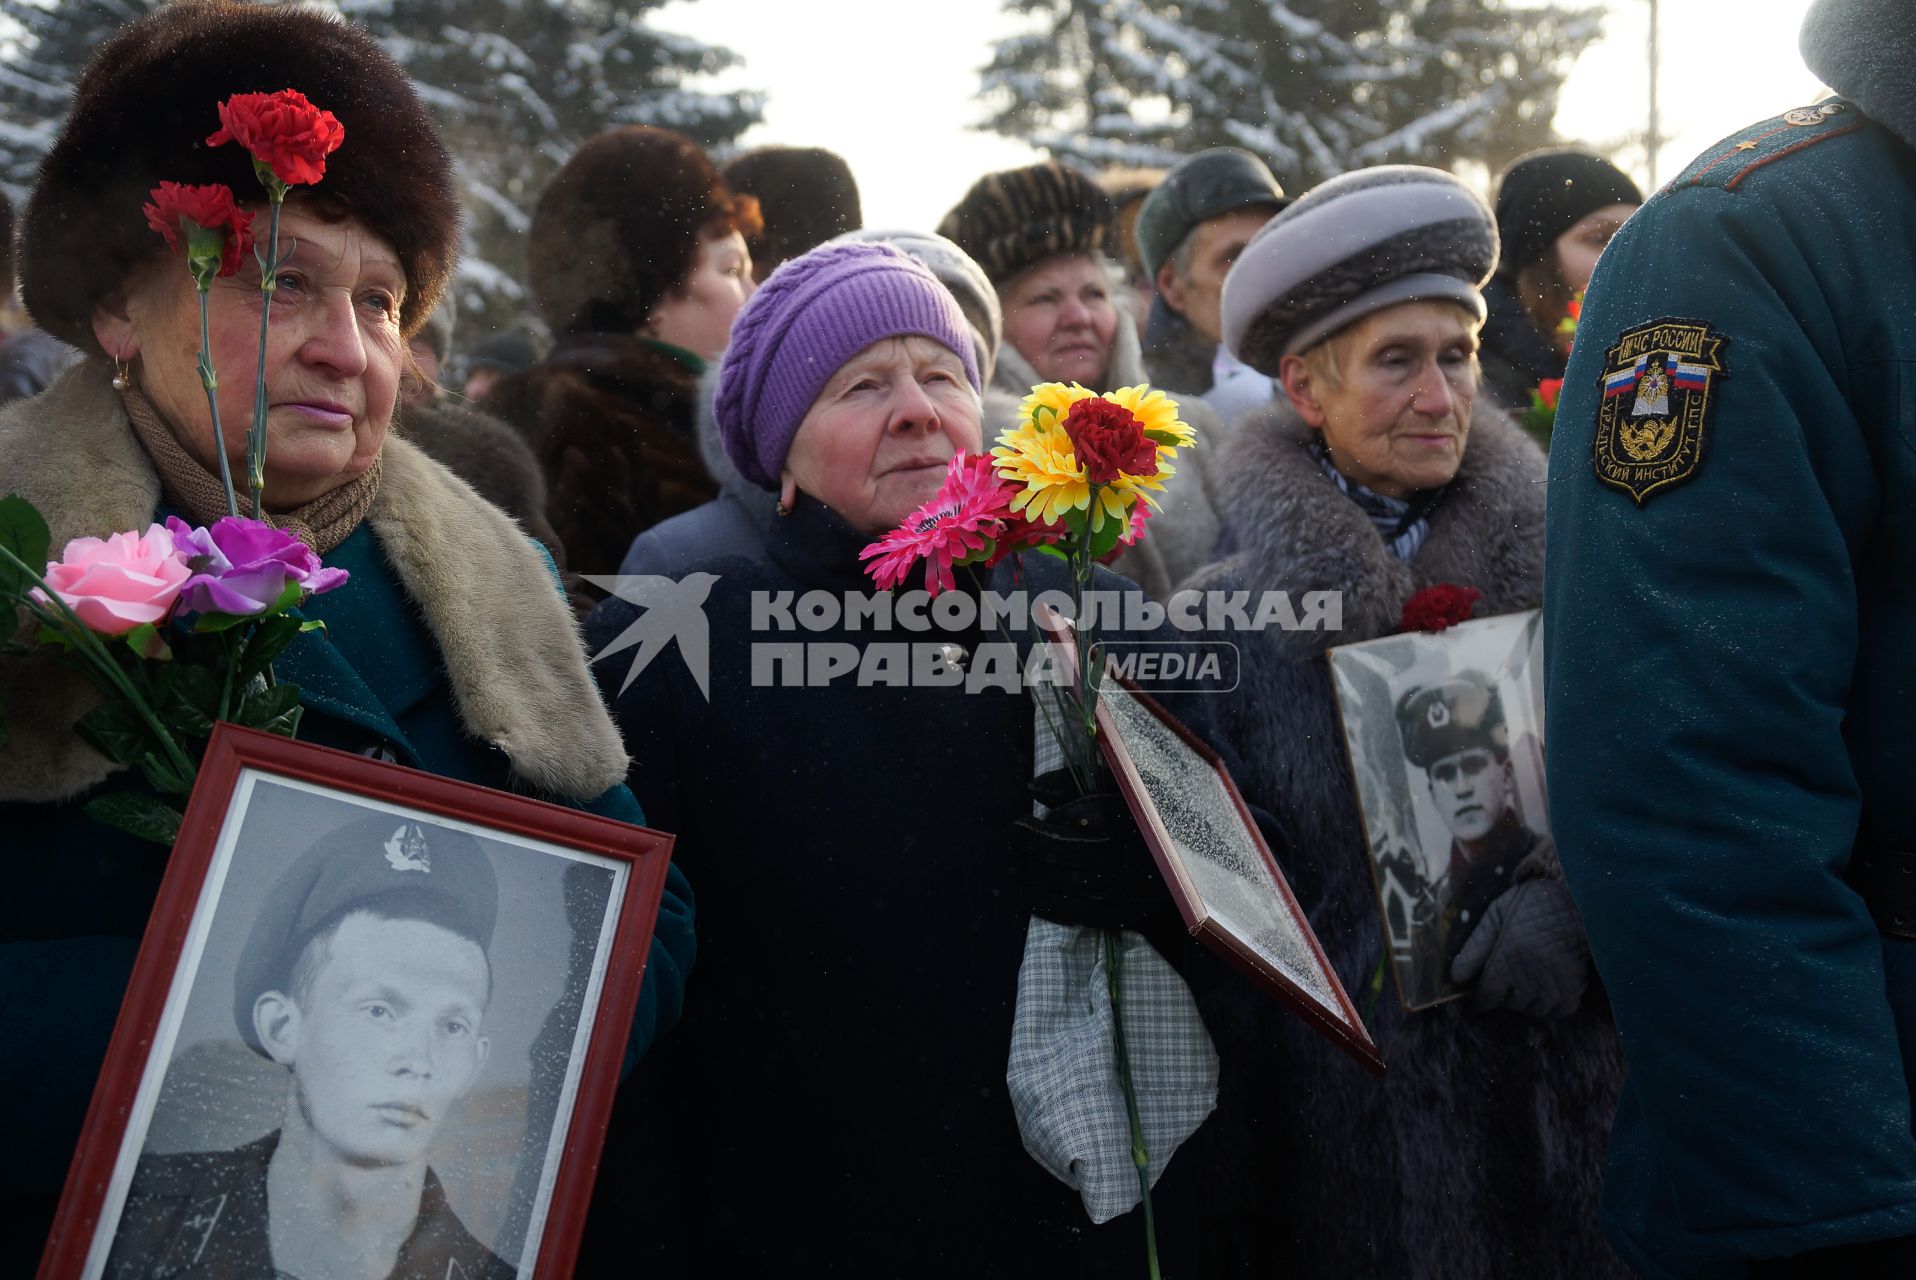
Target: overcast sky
{"x":893,"y":88}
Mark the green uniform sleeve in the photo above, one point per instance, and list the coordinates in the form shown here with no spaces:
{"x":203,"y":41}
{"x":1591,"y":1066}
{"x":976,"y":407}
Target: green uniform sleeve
{"x":1700,"y":653}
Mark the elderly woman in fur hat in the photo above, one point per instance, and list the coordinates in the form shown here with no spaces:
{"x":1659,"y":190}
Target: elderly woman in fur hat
{"x":1043,"y":234}
{"x":638,"y":263}
{"x":1380,"y":472}
{"x":450,"y":649}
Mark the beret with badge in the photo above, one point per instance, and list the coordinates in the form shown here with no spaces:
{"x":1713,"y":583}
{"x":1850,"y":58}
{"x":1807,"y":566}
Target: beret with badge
{"x":393,"y":867}
{"x":1459,"y":714}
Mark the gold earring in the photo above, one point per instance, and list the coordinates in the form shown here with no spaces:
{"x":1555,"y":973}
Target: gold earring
{"x":120,"y":379}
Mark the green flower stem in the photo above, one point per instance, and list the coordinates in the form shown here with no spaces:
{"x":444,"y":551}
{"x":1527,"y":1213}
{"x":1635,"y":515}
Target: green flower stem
{"x":89,"y":644}
{"x":1139,"y":1156}
{"x":211,"y":382}
{"x":268,"y":282}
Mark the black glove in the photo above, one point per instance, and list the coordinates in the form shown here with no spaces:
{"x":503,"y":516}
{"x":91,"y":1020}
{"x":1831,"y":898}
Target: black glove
{"x":1528,"y":954}
{"x":1087,"y":864}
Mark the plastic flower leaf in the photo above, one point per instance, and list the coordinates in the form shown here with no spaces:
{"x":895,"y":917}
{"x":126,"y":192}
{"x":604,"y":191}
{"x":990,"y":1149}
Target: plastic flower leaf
{"x":288,"y":137}
{"x":217,"y":233}
{"x":960,"y":523}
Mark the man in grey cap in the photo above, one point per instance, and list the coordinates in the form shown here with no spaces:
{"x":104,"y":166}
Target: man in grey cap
{"x":1455,"y":732}
{"x":366,"y":975}
{"x":1189,"y":232}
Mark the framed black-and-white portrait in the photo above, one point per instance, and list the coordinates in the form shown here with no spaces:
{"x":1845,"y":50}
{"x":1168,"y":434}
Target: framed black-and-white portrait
{"x":373,"y":1006}
{"x":1445,"y":734}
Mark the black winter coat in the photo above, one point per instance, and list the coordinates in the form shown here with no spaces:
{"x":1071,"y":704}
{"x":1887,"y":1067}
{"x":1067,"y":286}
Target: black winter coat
{"x":835,"y":1103}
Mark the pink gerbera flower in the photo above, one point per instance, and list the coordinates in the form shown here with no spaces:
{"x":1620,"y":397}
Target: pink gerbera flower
{"x":959,"y":523}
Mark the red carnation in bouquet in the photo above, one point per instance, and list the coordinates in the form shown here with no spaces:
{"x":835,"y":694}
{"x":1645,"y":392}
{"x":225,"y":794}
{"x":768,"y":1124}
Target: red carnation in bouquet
{"x":207,"y":209}
{"x":1439,"y":607}
{"x":283,"y":131}
{"x":1109,"y":441}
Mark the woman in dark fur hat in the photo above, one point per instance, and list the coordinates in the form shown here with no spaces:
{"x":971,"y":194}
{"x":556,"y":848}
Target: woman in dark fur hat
{"x":449,"y":649}
{"x":638,"y":264}
{"x":1381,"y":471}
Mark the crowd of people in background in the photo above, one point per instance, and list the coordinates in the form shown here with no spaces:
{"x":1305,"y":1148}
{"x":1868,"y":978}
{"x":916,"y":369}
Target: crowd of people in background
{"x":727,"y":373}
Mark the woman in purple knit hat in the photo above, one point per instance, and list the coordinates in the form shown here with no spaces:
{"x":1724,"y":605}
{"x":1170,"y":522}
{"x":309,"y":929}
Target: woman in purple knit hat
{"x":834,"y":1101}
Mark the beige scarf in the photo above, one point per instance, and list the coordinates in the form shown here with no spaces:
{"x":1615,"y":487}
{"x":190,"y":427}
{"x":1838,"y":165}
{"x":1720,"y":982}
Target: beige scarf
{"x":321,"y":524}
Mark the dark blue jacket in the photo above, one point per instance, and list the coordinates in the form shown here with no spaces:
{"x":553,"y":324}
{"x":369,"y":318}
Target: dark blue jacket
{"x":1732,"y":685}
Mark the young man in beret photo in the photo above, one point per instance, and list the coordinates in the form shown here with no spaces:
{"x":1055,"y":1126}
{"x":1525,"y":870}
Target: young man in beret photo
{"x":1455,"y":732}
{"x":366,"y":975}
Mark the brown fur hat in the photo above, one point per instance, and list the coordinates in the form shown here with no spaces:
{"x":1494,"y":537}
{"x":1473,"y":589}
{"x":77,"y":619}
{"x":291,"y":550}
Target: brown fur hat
{"x":807,"y":195}
{"x":1009,"y":221}
{"x":144,"y":108}
{"x":618,"y":228}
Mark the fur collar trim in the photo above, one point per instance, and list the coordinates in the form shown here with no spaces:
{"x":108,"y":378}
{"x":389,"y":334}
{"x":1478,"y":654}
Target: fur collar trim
{"x":1865,"y":50}
{"x":508,"y":640}
{"x":1293,"y":530}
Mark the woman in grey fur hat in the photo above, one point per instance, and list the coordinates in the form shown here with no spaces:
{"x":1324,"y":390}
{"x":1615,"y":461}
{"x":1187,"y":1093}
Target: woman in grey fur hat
{"x":1379,"y":473}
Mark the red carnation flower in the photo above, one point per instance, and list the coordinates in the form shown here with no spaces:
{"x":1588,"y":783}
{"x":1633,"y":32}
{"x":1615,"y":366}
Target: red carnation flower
{"x":1108,"y":439}
{"x":207,"y":209}
{"x":283,"y":131}
{"x":1550,"y":389}
{"x":1439,"y":607}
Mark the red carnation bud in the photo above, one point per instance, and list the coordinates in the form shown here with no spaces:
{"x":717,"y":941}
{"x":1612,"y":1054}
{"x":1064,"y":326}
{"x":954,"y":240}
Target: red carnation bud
{"x":1439,"y":607}
{"x":208,"y":219}
{"x":1108,"y":440}
{"x":284,"y":132}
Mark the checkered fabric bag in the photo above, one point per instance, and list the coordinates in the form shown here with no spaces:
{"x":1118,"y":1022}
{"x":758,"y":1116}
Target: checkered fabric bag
{"x":1063,"y":1072}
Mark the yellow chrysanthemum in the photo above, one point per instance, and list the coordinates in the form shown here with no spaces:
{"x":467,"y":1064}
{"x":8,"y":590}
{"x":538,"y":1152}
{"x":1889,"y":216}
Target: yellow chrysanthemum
{"x":1037,"y":454}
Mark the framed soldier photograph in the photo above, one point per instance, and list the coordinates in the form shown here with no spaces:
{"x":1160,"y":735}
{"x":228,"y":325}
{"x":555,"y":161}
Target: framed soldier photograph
{"x":373,"y":1003}
{"x":1227,"y":885}
{"x":1445,"y":737}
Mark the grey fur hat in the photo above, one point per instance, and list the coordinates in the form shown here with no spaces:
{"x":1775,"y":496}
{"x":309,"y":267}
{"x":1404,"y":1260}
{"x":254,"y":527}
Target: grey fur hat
{"x":959,"y":272}
{"x":1353,"y":246}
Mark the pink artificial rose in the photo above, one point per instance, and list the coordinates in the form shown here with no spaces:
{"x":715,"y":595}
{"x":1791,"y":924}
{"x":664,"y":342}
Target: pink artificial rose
{"x":242,"y":567}
{"x":119,"y":583}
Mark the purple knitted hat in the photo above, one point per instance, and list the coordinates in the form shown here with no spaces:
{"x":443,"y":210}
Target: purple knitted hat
{"x":816,"y":312}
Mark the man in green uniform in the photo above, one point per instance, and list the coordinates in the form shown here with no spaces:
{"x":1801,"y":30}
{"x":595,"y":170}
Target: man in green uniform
{"x":1730,"y":614}
{"x":366,"y":975}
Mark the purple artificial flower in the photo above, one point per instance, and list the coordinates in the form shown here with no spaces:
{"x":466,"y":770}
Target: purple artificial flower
{"x":242,"y":567}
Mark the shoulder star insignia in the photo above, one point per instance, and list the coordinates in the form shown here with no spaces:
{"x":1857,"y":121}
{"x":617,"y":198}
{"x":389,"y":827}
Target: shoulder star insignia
{"x":1746,"y":146}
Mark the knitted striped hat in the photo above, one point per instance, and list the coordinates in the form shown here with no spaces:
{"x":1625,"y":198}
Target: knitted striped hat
{"x":1012,"y":220}
{"x":815,"y":313}
{"x":1352,"y":246}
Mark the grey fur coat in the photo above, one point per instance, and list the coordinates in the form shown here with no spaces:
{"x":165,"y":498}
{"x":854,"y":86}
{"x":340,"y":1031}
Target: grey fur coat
{"x":1480,"y":1153}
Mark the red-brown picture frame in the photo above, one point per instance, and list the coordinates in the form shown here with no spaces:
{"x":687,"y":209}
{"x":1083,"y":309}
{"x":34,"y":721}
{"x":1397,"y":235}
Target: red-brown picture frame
{"x":1348,"y":1033}
{"x":230,"y":753}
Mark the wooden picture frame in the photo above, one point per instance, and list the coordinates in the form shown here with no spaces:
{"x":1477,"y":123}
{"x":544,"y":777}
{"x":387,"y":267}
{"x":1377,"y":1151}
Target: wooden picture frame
{"x":1228,"y":887}
{"x":283,"y":874}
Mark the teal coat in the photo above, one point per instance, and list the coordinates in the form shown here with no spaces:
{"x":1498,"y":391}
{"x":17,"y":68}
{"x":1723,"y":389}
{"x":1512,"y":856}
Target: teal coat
{"x":376,"y":681}
{"x":1731,"y":675}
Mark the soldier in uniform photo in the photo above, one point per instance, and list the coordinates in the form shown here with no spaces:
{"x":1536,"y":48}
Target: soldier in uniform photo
{"x":1455,"y":733}
{"x":366,"y":975}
